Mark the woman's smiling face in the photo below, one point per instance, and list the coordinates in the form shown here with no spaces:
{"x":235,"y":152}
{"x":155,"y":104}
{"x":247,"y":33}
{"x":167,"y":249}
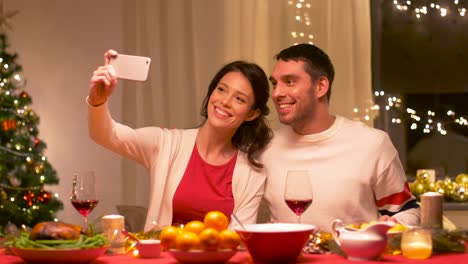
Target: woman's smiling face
{"x":231,"y":102}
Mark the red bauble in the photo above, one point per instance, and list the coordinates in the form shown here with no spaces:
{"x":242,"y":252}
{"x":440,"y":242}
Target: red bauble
{"x":24,"y":95}
{"x":28,"y":197}
{"x":44,"y":196}
{"x":9,"y":124}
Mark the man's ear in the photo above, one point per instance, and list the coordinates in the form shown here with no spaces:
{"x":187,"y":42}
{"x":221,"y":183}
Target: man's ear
{"x":322,"y":87}
{"x":253,"y":114}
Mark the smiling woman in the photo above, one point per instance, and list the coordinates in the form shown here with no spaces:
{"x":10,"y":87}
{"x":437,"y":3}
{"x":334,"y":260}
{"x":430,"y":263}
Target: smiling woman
{"x":216,"y":164}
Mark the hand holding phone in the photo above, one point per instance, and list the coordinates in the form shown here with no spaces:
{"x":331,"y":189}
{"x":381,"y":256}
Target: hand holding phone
{"x":131,"y":67}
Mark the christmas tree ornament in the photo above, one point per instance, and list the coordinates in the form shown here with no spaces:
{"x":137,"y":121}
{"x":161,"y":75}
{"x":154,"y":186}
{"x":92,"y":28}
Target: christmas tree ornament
{"x":462,"y":178}
{"x":3,"y":194}
{"x":29,"y":197}
{"x":448,"y":181}
{"x":29,"y":113}
{"x":439,"y":187}
{"x":14,"y":181}
{"x":39,"y":168}
{"x":30,"y":164}
{"x":44,"y":196}
{"x":417,"y":188}
{"x":460,"y":193}
{"x":449,"y":186}
{"x":423,"y":177}
{"x":5,"y":17}
{"x":9,"y":124}
{"x":24,"y":95}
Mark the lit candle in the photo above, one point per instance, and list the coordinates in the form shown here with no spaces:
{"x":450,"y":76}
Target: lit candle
{"x":416,"y":243}
{"x":112,"y":226}
{"x":431,"y":210}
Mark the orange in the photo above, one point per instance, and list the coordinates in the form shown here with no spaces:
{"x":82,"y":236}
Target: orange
{"x":217,"y":220}
{"x":168,"y":237}
{"x":187,"y":240}
{"x":228,"y":239}
{"x":209,"y":239}
{"x":194,"y":226}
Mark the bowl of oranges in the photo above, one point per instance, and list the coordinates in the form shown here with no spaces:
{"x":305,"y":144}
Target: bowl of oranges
{"x":207,"y":241}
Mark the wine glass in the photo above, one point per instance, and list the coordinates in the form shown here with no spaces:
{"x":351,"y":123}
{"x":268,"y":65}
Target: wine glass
{"x":298,"y":191}
{"x":83,"y":196}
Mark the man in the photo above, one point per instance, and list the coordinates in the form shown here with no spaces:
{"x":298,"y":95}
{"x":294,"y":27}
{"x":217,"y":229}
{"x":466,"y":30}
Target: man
{"x":354,"y":169}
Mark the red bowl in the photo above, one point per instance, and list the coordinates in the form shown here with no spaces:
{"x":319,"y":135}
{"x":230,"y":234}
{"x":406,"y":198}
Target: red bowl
{"x":275,"y":242}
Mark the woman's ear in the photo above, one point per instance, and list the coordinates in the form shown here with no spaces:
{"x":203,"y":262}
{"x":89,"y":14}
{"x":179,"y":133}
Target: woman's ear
{"x":252,"y":114}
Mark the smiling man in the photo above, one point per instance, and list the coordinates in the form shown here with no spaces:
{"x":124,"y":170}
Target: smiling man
{"x":354,"y":169}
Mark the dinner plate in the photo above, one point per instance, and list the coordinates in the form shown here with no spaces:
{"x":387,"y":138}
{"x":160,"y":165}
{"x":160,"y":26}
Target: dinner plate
{"x":390,"y":232}
{"x":198,"y":256}
{"x":55,"y":256}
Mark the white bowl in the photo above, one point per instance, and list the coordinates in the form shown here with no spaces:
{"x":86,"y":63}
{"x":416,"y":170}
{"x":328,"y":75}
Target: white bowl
{"x":275,"y":242}
{"x":149,"y":248}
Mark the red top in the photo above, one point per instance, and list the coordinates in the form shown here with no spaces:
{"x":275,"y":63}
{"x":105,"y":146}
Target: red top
{"x":203,"y":188}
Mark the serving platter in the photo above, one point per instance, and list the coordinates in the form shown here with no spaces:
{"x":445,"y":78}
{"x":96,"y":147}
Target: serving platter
{"x":55,"y":256}
{"x":198,"y":256}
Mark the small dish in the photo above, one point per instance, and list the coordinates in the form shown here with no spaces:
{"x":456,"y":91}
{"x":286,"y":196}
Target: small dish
{"x":198,"y":256}
{"x":149,"y":248}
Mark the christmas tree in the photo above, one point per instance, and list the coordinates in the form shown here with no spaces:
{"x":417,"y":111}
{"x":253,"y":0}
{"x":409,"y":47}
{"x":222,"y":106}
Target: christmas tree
{"x":24,"y":170}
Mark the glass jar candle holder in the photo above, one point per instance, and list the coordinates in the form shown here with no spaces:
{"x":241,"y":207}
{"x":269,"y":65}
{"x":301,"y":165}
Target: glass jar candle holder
{"x":416,"y":243}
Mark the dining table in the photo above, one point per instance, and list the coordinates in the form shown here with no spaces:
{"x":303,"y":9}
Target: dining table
{"x":243,"y":257}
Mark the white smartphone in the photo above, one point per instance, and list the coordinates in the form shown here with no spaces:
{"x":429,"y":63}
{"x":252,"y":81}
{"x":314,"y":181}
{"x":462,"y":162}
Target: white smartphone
{"x":131,"y":67}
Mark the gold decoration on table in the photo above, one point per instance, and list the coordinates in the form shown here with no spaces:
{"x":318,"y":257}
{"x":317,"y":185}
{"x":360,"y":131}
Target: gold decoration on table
{"x":462,"y":178}
{"x":418,"y":188}
{"x":130,"y":245}
{"x":460,"y":193}
{"x":453,"y":190}
{"x":320,"y":242}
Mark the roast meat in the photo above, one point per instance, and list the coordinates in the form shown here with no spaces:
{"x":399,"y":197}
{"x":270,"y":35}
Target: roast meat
{"x":55,"y":230}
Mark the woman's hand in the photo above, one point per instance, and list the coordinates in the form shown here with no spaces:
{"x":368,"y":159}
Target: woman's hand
{"x":103,"y":81}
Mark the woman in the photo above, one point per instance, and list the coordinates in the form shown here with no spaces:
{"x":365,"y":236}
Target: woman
{"x":193,"y":171}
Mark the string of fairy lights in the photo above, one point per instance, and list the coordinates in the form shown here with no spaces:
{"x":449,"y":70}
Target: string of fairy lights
{"x":427,"y":120}
{"x":423,"y":8}
{"x":302,"y":24}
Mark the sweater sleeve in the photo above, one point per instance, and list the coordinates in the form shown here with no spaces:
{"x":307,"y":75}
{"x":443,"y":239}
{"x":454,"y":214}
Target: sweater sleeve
{"x":136,"y":144}
{"x":393,"y":196}
{"x":248,"y":188}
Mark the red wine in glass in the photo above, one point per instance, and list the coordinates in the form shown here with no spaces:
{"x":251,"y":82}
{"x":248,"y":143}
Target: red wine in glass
{"x":84,"y":207}
{"x":298,"y":206}
{"x":83,"y":197}
{"x":298,"y":192}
